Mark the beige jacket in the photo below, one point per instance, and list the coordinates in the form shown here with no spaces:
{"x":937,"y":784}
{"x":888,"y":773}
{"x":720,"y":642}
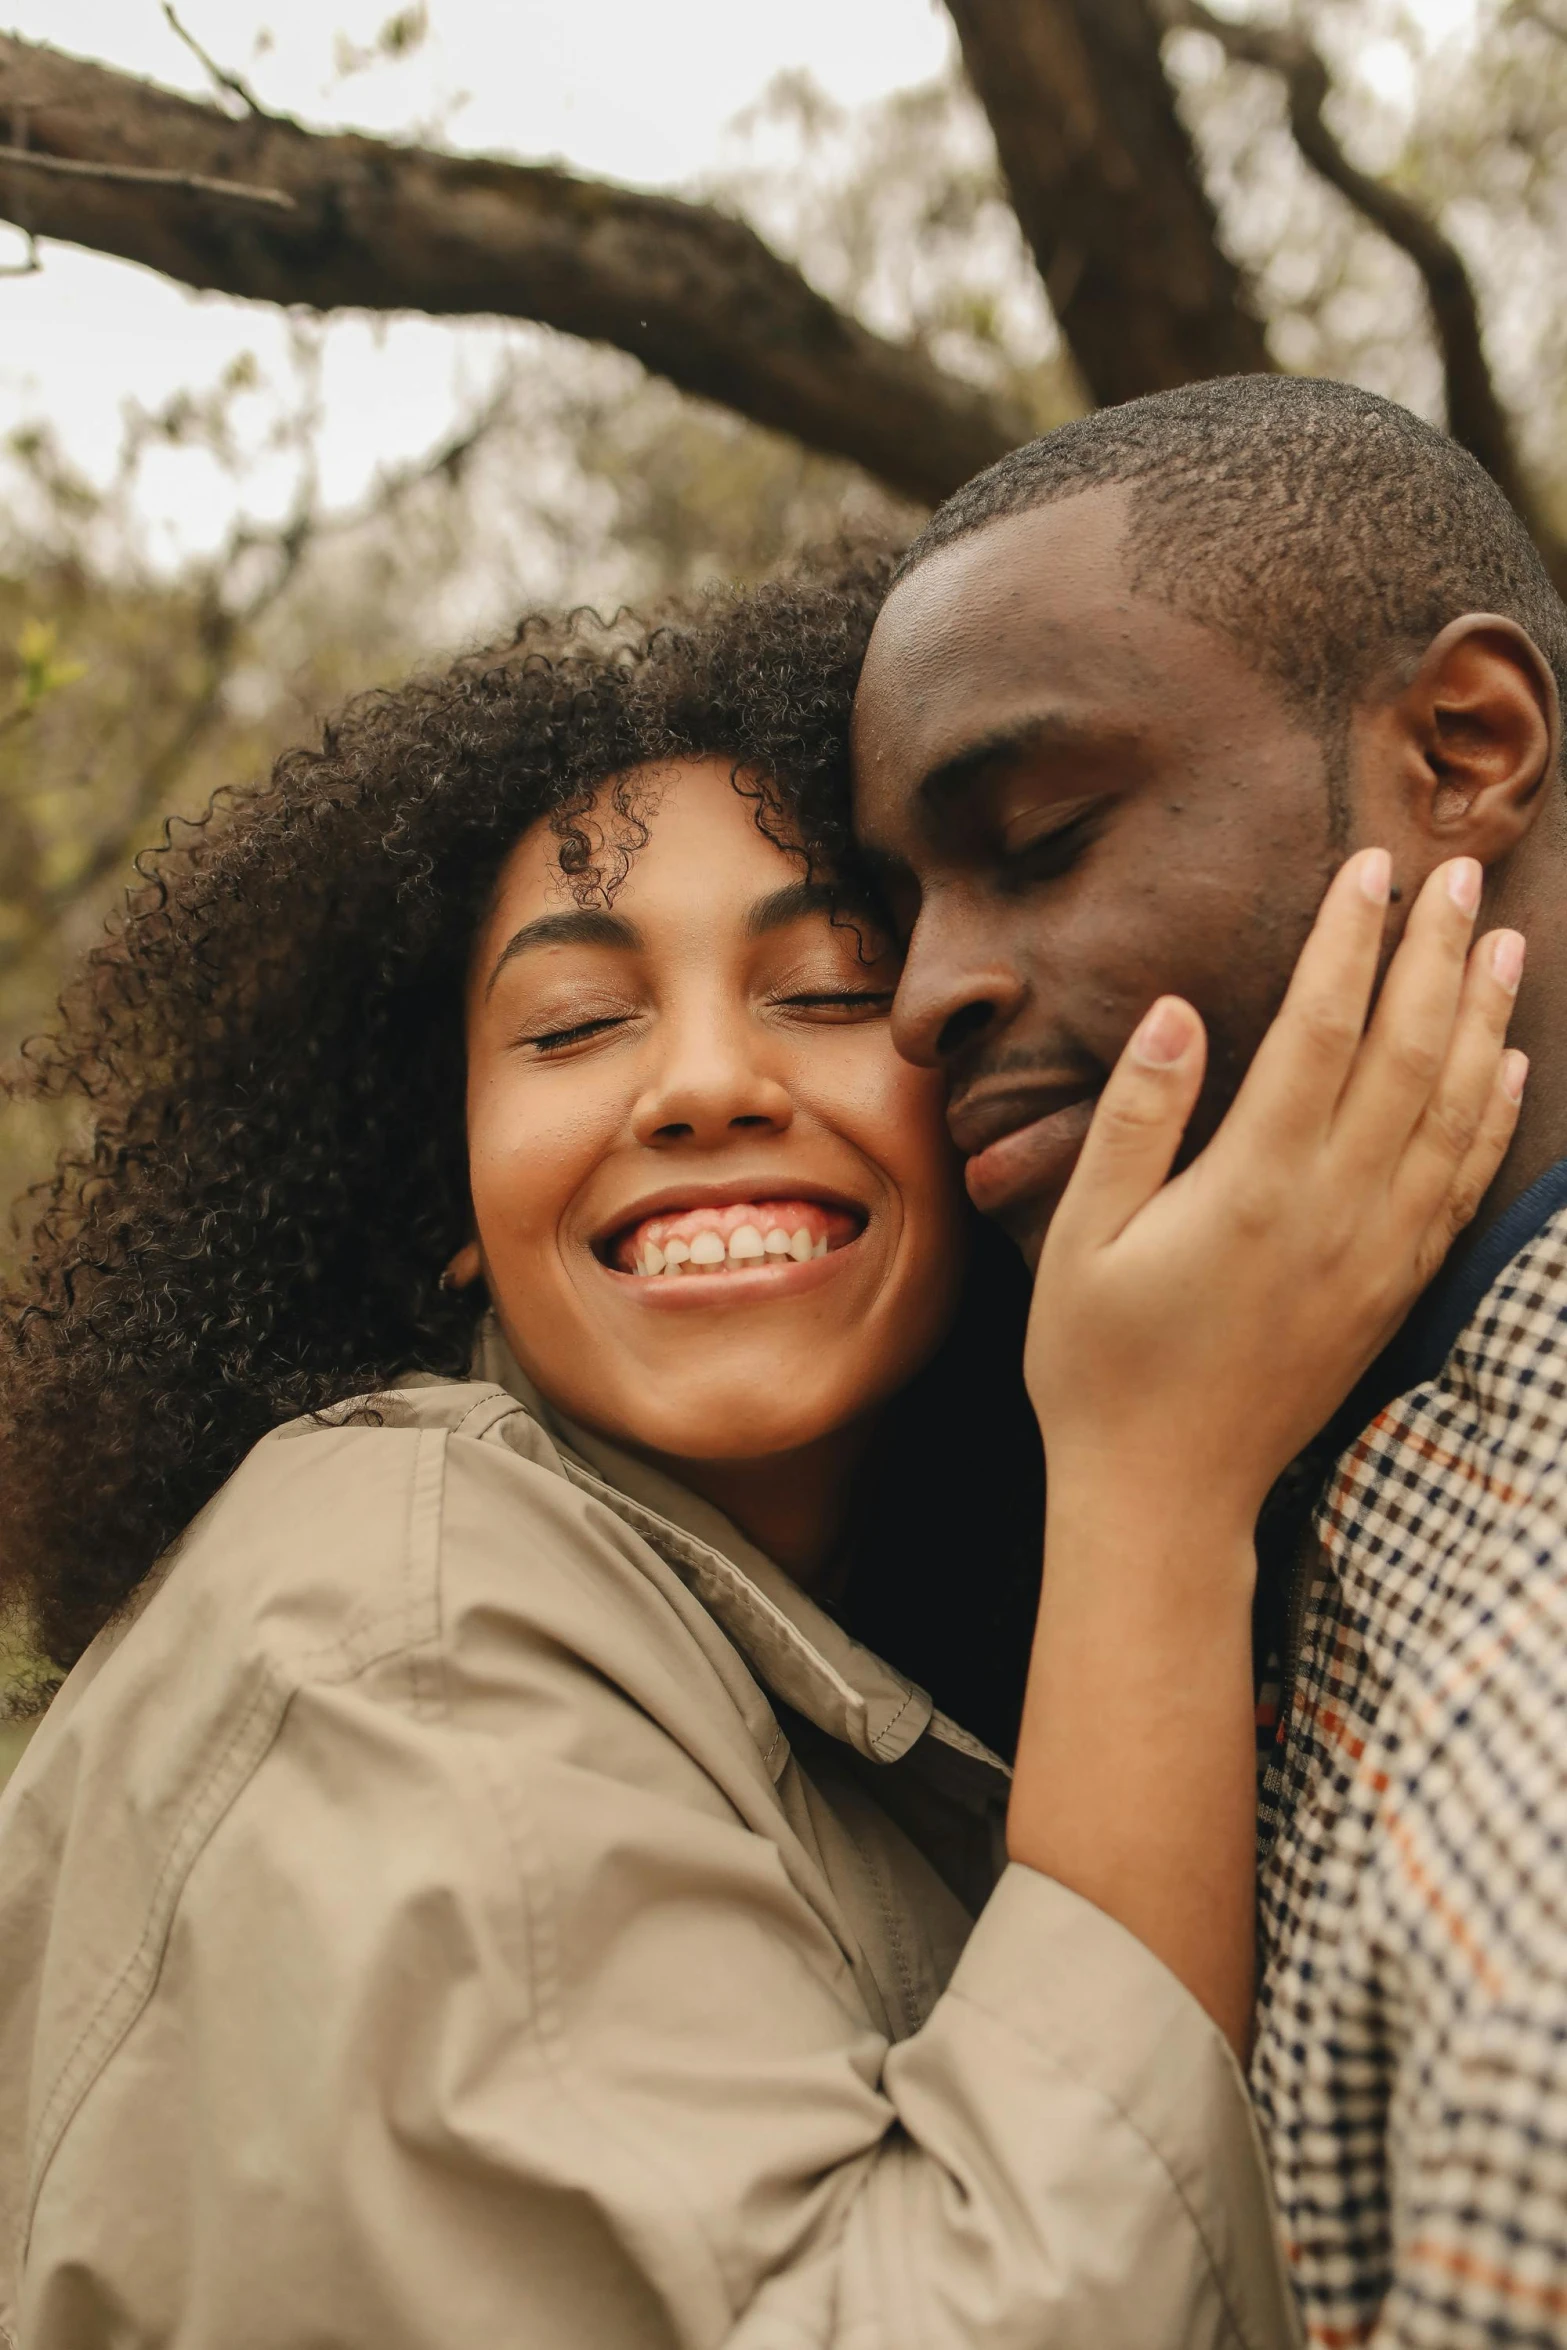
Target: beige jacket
{"x":480,"y":1901}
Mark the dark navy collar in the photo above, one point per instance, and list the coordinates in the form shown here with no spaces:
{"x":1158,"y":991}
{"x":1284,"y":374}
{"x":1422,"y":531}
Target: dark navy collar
{"x":1428,"y":1337}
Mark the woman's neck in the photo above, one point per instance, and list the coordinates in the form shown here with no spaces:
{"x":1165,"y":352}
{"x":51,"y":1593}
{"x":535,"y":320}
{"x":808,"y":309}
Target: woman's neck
{"x":792,"y":1505}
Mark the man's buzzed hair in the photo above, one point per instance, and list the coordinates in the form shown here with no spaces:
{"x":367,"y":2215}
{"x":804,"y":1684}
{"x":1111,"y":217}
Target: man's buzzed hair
{"x":1327,"y":533}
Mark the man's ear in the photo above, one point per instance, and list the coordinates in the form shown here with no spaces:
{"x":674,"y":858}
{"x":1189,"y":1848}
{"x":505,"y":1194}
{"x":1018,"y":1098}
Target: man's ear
{"x":1468,"y":747}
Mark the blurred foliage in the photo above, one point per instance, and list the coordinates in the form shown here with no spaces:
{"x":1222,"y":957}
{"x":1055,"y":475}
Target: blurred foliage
{"x":26,"y":1687}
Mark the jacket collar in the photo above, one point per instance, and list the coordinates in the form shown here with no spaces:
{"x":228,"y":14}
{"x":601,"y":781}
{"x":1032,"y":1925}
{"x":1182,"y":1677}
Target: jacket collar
{"x":792,"y":1645}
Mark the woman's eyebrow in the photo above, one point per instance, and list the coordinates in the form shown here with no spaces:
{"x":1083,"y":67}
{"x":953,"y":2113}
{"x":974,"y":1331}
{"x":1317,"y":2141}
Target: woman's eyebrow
{"x":791,"y":904}
{"x":584,"y":926}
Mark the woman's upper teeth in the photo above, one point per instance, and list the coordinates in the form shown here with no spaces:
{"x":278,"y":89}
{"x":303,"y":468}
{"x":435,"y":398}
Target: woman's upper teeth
{"x":746,"y":1233}
{"x":746,"y":1247}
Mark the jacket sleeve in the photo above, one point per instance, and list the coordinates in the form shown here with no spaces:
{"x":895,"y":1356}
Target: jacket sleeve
{"x":472,"y":2033}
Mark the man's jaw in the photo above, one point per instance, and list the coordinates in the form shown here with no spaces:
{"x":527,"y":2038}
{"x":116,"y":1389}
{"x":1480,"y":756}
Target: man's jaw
{"x":1021,"y":1133}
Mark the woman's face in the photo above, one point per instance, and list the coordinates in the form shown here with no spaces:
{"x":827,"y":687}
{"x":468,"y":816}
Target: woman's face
{"x":719,"y":1218}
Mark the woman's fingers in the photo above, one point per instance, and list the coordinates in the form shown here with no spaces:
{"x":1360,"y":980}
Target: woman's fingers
{"x":1406,"y":1067}
{"x":1292,"y":1090}
{"x":1462,"y":1138}
{"x":1477,"y":1169}
{"x":1137,"y":1126}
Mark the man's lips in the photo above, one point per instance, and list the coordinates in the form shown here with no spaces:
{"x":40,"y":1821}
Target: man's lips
{"x":1020,"y":1140}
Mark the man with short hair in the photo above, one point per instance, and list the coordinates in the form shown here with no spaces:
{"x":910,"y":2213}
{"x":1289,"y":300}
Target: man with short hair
{"x":1134,"y":694}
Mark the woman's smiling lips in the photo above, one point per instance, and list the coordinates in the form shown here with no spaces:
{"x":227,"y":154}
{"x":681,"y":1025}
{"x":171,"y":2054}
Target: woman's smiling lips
{"x":743,"y":1247}
{"x":1020,"y":1141}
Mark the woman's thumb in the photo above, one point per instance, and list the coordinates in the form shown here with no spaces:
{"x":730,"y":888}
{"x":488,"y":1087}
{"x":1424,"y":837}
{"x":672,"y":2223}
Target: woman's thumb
{"x":1138,"y":1123}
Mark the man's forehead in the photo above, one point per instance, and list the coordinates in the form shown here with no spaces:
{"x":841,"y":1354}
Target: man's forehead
{"x":1038,"y":565}
{"x":1027,"y":620}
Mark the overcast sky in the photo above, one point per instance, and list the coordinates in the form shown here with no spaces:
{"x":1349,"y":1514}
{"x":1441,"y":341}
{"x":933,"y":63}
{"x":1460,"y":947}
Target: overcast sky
{"x":640,"y":91}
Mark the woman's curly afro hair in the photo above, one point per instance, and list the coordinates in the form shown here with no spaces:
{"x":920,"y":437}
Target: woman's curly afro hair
{"x":270,"y":1043}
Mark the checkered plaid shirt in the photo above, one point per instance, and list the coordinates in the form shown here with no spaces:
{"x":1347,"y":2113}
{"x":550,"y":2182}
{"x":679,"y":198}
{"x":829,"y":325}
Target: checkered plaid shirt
{"x":1411,"y":2066}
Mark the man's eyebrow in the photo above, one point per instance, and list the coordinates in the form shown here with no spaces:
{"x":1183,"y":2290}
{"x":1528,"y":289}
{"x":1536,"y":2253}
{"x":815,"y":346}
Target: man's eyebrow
{"x":1005,"y":747}
{"x":792,"y":903}
{"x":583,"y":926}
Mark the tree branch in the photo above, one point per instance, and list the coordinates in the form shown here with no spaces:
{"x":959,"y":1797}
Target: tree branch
{"x":131,"y":175}
{"x":1106,"y":186}
{"x":695,"y":295}
{"x":1475,"y":414}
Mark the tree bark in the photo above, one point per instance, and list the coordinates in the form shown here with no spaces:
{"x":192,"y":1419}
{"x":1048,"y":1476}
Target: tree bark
{"x":694,"y":294}
{"x":1106,"y":186}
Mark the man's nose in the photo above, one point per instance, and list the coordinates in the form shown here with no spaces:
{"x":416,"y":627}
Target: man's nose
{"x":957,"y":987}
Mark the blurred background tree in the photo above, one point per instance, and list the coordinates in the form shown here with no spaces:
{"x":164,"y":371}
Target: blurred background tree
{"x":857,"y":308}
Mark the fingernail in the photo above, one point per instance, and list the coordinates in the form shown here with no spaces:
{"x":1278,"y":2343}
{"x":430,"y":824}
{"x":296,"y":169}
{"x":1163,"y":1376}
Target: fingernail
{"x":1376,"y":876}
{"x":1162,"y":1036}
{"x":1515,"y":1069}
{"x":1463,"y":884}
{"x":1507,"y":959}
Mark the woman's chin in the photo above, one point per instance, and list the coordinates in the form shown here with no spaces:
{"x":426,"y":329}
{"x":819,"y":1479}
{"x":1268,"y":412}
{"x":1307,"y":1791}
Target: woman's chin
{"x":707,"y":1429}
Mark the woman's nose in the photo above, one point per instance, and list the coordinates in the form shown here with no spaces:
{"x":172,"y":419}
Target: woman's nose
{"x":710,"y":1088}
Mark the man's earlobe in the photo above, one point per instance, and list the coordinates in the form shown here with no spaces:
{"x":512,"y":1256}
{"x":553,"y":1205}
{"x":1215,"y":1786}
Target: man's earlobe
{"x":1482,"y":714}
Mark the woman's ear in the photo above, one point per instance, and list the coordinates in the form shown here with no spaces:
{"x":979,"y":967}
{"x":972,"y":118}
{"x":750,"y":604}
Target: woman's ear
{"x":465,"y":1267}
{"x":1470,"y":742}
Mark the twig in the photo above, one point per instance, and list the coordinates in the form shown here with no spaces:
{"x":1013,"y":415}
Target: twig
{"x":1475,"y":415}
{"x":133,"y":175}
{"x":220,"y":74}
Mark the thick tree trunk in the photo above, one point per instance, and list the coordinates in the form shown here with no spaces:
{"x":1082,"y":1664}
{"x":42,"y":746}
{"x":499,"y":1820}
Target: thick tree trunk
{"x":1105,"y":184}
{"x":692,"y":293}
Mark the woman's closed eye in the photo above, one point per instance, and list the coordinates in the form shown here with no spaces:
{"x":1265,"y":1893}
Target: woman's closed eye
{"x":854,"y":979}
{"x":839,"y":1003}
{"x":544,"y":1042}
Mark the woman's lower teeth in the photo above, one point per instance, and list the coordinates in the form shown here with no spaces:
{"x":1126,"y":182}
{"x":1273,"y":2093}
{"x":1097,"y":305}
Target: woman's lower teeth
{"x":746,"y":1248}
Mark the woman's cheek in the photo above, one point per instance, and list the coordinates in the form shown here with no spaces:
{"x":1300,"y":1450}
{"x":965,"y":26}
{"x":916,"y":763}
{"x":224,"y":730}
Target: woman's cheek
{"x":917,"y":1139}
{"x":898,"y":1109}
{"x":523,"y":1168}
{"x":899,"y":1123}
